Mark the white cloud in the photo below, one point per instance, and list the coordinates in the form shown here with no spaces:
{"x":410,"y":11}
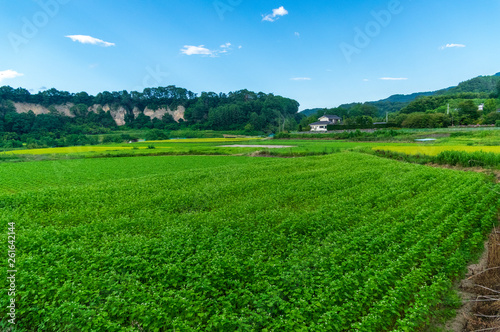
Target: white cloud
{"x":300,"y":79}
{"x":297,"y":34}
{"x":9,"y":74}
{"x":281,"y":11}
{"x":202,"y":50}
{"x":453,"y":46}
{"x":393,"y":78}
{"x":196,"y":50}
{"x":89,"y":40}
{"x":366,"y":80}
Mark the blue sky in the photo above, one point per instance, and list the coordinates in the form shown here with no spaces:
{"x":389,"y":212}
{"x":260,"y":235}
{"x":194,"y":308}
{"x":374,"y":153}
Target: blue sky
{"x":321,"y":53}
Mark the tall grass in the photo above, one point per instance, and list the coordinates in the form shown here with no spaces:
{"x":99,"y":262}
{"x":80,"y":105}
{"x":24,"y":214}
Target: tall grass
{"x":453,"y":158}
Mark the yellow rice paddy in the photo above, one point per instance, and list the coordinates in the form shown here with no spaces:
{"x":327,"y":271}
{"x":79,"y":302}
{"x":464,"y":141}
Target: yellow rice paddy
{"x":206,"y":140}
{"x":72,"y":149}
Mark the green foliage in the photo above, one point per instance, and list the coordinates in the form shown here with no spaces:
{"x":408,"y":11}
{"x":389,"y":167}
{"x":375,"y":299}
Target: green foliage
{"x":468,"y":109}
{"x":491,"y":105}
{"x":468,"y":159}
{"x":426,"y":120}
{"x":112,"y":139}
{"x":481,"y":84}
{"x":453,"y":158}
{"x":343,"y":242}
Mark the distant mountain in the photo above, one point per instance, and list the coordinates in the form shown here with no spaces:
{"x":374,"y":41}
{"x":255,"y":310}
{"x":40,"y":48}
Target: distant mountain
{"x":310,"y":111}
{"x":392,"y":104}
{"x":405,"y":98}
{"x":481,"y":84}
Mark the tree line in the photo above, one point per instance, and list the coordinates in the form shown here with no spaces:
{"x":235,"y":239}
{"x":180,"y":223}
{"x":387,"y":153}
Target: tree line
{"x":454,"y":106}
{"x":242,"y":110}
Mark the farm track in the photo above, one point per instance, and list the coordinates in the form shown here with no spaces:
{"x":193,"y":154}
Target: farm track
{"x":480,"y":292}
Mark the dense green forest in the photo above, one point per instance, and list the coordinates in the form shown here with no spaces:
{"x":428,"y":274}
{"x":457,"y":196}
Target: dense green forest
{"x":243,"y":110}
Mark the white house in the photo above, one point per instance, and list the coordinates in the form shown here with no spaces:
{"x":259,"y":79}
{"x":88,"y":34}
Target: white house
{"x":325,"y":121}
{"x":480,"y":108}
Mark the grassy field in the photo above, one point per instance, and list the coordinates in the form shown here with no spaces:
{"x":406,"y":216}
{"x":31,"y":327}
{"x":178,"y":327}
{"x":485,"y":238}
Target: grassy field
{"x":211,"y":146}
{"x":341,"y":242}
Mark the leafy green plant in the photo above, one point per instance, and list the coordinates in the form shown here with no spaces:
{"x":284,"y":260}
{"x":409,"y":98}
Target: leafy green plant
{"x":340,"y":242}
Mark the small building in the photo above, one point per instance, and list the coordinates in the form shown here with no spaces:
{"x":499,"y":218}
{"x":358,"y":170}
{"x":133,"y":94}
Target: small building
{"x":480,"y":108}
{"x":333,"y":119}
{"x":324,"y":122}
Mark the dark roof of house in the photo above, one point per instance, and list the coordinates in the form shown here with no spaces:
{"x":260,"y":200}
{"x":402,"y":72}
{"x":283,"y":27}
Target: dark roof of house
{"x":320,"y":123}
{"x":331,"y":117}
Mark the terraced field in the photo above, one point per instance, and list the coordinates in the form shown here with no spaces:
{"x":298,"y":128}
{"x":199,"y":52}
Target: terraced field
{"x":343,"y":242}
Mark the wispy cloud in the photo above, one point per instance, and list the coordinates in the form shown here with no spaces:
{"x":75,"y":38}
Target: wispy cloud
{"x":277,"y":13}
{"x":452,"y":46}
{"x":297,"y":34}
{"x":300,"y":79}
{"x":9,"y":74}
{"x":90,"y":40}
{"x":225,"y":48}
{"x":196,"y":50}
{"x":393,"y":78}
{"x":202,"y":50}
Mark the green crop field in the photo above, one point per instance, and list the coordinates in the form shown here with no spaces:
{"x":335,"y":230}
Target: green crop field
{"x":342,"y":242}
{"x":210,"y":146}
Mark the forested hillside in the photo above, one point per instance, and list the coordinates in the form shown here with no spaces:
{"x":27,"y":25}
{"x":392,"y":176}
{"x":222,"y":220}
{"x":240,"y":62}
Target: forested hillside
{"x":475,"y":101}
{"x":55,"y":114}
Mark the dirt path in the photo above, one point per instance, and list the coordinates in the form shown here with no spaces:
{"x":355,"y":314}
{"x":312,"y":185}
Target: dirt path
{"x":480,"y":292}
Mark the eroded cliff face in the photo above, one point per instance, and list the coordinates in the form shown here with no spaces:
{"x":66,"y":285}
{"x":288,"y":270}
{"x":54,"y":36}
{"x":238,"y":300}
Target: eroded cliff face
{"x":118,"y":114}
{"x":39,"y":109}
{"x":177,"y":114}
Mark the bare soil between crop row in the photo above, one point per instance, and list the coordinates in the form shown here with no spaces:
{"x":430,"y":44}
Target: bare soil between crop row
{"x":480,"y":292}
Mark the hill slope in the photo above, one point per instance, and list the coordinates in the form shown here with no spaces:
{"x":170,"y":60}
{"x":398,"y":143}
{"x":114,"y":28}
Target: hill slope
{"x":394,"y":103}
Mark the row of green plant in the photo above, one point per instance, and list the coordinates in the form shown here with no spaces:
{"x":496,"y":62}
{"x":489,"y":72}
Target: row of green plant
{"x":453,"y":158}
{"x":342,"y":242}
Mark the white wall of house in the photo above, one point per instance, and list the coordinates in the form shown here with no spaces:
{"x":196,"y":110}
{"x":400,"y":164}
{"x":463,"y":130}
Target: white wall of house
{"x":318,"y":128}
